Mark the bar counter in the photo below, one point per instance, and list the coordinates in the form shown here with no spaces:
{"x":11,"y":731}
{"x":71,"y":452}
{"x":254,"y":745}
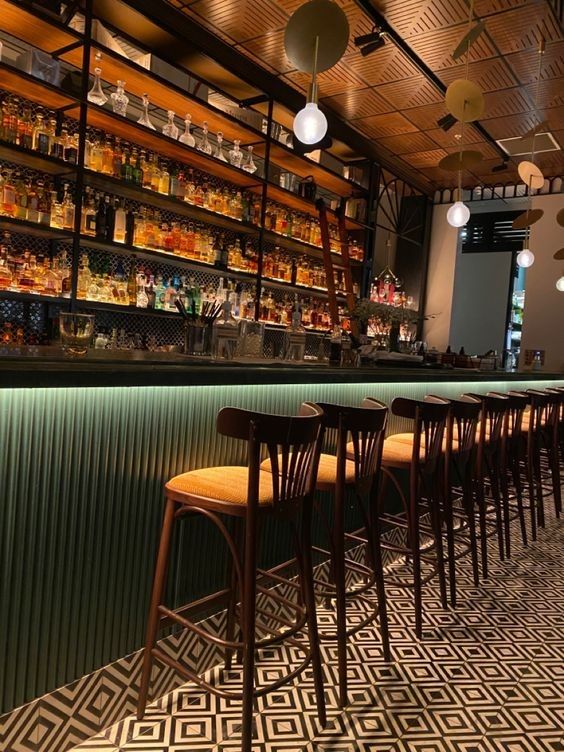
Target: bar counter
{"x":86,"y":446}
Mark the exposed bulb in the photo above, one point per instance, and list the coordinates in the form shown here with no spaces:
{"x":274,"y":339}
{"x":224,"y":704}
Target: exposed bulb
{"x":525,"y":258}
{"x":458,"y":214}
{"x":310,"y":124}
{"x":560,"y":284}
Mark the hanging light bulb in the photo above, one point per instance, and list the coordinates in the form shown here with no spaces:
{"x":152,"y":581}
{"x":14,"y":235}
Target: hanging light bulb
{"x":560,"y":284}
{"x":310,"y":124}
{"x":458,"y":214}
{"x":525,"y":258}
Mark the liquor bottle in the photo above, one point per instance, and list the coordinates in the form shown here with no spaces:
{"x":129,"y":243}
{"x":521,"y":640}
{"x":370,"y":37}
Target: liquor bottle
{"x":71,"y":149}
{"x":8,"y":203}
{"x":145,"y":119}
{"x":32,"y":203}
{"x":108,"y":158}
{"x":187,"y":138}
{"x":84,"y":277}
{"x":170,"y":296}
{"x":67,"y":209}
{"x":132,"y":284}
{"x":117,"y":160}
{"x":96,"y":94}
{"x":88,"y":223}
{"x":101,"y":218}
{"x":150,"y":292}
{"x":56,"y":217}
{"x":249,"y":165}
{"x":204,"y":145}
{"x":159,"y":293}
{"x":236,"y":155}
{"x":9,"y":122}
{"x":120,"y":100}
{"x":110,"y":219}
{"x":137,"y":169}
{"x":43,"y":203}
{"x":130,"y":222}
{"x":126,"y":170}
{"x":25,"y":129}
{"x":219,"y":149}
{"x":21,"y":197}
{"x":120,"y":224}
{"x":142,"y":298}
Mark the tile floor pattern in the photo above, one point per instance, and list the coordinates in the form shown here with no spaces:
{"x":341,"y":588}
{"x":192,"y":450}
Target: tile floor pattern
{"x":488,"y":676}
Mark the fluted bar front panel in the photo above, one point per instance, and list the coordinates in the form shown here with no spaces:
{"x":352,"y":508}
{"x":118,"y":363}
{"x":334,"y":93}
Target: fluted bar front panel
{"x":81,"y":473}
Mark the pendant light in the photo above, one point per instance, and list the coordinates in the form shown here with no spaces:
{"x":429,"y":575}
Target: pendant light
{"x":525,"y":258}
{"x":560,"y":284}
{"x":310,"y":124}
{"x":458,"y":214}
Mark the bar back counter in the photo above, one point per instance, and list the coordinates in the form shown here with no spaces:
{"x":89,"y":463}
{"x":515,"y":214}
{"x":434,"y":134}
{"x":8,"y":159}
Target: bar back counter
{"x":85,"y":450}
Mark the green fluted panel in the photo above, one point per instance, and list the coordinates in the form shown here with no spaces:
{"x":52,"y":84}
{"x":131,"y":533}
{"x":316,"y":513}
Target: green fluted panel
{"x":81,"y":473}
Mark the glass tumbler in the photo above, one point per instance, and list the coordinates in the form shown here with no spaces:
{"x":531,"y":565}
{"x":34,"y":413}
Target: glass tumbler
{"x":76,"y":332}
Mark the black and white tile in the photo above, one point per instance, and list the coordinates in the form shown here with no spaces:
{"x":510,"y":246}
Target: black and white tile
{"x":487,"y":677}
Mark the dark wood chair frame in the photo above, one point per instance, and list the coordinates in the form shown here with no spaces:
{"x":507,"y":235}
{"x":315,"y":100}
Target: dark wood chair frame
{"x":293,"y":445}
{"x":364,"y":428}
{"x":426,"y":475}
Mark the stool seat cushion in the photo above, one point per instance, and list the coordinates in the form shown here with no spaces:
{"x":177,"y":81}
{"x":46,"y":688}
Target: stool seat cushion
{"x":327,"y":472}
{"x":398,"y":449}
{"x":227,"y":484}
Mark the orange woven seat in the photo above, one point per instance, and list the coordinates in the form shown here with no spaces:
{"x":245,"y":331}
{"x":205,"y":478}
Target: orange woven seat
{"x":227,"y":484}
{"x":327,"y":473}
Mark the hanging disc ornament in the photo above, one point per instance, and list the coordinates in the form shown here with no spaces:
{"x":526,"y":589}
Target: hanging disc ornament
{"x":317,"y":18}
{"x":464,"y":100}
{"x":460,"y":160}
{"x":559,"y":255}
{"x":530,"y":174}
{"x":560,"y":217}
{"x":527,"y":219}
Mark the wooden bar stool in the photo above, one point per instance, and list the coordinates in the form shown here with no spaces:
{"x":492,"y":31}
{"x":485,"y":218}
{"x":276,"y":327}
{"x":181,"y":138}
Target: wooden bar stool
{"x":546,"y":462}
{"x":249,"y":495}
{"x":354,"y":472}
{"x":421,"y":455}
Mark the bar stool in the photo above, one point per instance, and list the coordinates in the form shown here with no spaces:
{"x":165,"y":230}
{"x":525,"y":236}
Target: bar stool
{"x":354,"y":470}
{"x":489,"y":469}
{"x":546,"y":406}
{"x":249,"y":495}
{"x":421,"y":455}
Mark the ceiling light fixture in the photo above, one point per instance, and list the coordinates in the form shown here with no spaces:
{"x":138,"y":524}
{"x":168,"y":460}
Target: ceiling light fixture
{"x":525,"y":258}
{"x":368,"y":43}
{"x":310,"y":124}
{"x":560,"y":284}
{"x":447,"y":122}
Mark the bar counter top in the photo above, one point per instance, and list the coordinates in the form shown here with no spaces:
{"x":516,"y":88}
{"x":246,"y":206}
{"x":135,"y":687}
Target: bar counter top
{"x":48,"y":367}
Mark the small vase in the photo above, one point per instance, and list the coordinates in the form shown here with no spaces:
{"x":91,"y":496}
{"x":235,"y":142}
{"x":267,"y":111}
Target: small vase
{"x":187,"y":138}
{"x":170,"y":129}
{"x":249,"y":165}
{"x":96,"y":94}
{"x":219,"y":150}
{"x":236,"y":155}
{"x":204,"y":144}
{"x":144,"y":119}
{"x":120,"y":100}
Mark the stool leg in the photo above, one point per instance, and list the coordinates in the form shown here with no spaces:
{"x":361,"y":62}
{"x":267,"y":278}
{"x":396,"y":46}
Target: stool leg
{"x":413,"y":535}
{"x":494,"y":487}
{"x":468,"y":504}
{"x":341,"y":605}
{"x":450,"y":546}
{"x":376,"y":555}
{"x":516,"y":476}
{"x":233,"y":593}
{"x":156,"y":599}
{"x":555,"y":474}
{"x":538,"y":485}
{"x":308,"y":589}
{"x":248,"y":627}
{"x":532,"y":492}
{"x":437,"y":528}
{"x":505,"y":505}
{"x":482,"y":520}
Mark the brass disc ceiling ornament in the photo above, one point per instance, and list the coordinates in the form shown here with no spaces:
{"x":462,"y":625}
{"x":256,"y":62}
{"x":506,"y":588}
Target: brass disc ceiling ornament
{"x":464,"y":100}
{"x":560,"y":217}
{"x":317,"y":18}
{"x":527,"y":219}
{"x":460,"y":160}
{"x":559,"y":255}
{"x":530,"y":174}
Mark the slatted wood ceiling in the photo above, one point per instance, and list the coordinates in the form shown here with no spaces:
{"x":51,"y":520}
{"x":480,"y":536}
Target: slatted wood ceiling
{"x":386,"y":97}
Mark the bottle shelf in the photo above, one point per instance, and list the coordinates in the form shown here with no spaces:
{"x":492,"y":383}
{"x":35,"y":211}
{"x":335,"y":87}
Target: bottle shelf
{"x":283,"y":327}
{"x":30,"y":297}
{"x":305,"y":206}
{"x":168,"y":203}
{"x":163,"y":93}
{"x":34,"y":160}
{"x":97,"y":305}
{"x":33,"y":228}
{"x":164,"y":257}
{"x":299,"y":246}
{"x":303,"y":289}
{"x":167,"y":147}
{"x":48,"y":35}
{"x":22,"y":84}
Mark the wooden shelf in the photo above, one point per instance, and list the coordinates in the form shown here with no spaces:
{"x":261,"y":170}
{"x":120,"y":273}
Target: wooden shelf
{"x":283,"y":327}
{"x":302,"y":289}
{"x":298,"y":246}
{"x":155,"y":141}
{"x":97,"y":305}
{"x":33,"y":228}
{"x":287,"y":159}
{"x":22,"y":84}
{"x":164,"y":257}
{"x":34,"y":28}
{"x":34,"y":160}
{"x":168,"y":203}
{"x":30,"y":297}
{"x":303,"y":205}
{"x":163,"y":94}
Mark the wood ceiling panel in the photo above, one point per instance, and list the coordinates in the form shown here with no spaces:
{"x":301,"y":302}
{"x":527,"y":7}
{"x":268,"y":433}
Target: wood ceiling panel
{"x":525,"y":64}
{"x":551,"y":92}
{"x":487,"y":150}
{"x":392,"y":124}
{"x":523,"y":27}
{"x":270,"y":50}
{"x":509,"y":127}
{"x":551,"y":163}
{"x":384,"y":65}
{"x":337,"y":80}
{"x":425,"y":118}
{"x":436,"y":47}
{"x":358,"y":103}
{"x":408,"y":143}
{"x":240,"y":20}
{"x":490,"y":75}
{"x":411,"y":17}
{"x":555,"y":117}
{"x":508,"y":102}
{"x":420,"y":159}
{"x":447,"y":139}
{"x":486,"y":7}
{"x":411,"y":92}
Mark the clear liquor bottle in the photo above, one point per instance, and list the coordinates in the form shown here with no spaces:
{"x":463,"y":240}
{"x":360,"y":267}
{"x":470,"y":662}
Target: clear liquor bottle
{"x":96,"y":94}
{"x":170,"y":129}
{"x":145,"y":119}
{"x":120,"y":100}
{"x":187,"y":138}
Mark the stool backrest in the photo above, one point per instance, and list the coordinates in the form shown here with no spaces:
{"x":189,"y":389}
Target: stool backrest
{"x":463,"y":424}
{"x":551,"y":408}
{"x":292,"y":443}
{"x":360,"y":428}
{"x":493,"y":419}
{"x":429,"y":416}
{"x":516,"y":406}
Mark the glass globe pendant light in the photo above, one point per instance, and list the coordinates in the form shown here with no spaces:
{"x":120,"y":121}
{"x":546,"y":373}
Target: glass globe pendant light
{"x":458,"y":214}
{"x":525,"y":258}
{"x":310,"y":124}
{"x":560,"y":284}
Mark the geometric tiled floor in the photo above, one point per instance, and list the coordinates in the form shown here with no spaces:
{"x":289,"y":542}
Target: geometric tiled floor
{"x":488,"y":676}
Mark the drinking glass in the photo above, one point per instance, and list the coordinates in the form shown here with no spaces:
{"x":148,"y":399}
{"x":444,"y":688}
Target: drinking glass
{"x":76,"y":332}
